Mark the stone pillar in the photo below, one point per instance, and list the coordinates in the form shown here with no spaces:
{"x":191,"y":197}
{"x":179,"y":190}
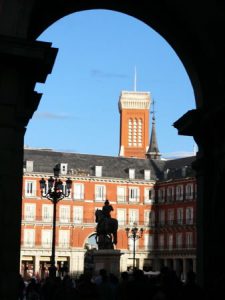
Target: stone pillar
{"x":141,"y":262}
{"x":207,"y":128}
{"x":123,"y":263}
{"x":157,"y":264}
{"x":177,"y":267}
{"x":165,"y":262}
{"x":184,"y":269}
{"x":194,"y":264}
{"x":77,"y":262}
{"x":22,"y":65}
{"x":37,"y":265}
{"x":108,"y":260}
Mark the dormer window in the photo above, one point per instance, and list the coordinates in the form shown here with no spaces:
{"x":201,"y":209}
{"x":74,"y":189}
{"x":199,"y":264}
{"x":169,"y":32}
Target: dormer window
{"x":166,"y":174}
{"x":147,"y":174}
{"x":131,"y":173}
{"x":98,"y":171}
{"x":184,"y":171}
{"x":29,"y":166}
{"x":63,"y":169}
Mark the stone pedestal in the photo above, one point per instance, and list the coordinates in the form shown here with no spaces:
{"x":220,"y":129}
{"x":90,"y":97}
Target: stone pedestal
{"x":108,"y":260}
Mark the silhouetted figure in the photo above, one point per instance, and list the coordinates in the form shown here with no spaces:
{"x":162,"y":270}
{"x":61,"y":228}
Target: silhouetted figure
{"x":123,"y":286}
{"x":107,"y":208}
{"x":191,"y":290}
{"x":21,"y":287}
{"x":138,"y":285}
{"x":33,"y":290}
{"x":105,"y":288}
{"x":169,"y":287}
{"x":65,"y":289}
{"x":106,"y":228}
{"x":87,"y":290}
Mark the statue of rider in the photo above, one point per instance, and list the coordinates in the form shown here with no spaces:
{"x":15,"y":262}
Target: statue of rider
{"x":107,"y":208}
{"x":106,"y":228}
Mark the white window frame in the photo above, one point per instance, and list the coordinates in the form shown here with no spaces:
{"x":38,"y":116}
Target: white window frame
{"x":29,"y":212}
{"x":133,"y":216}
{"x":78,"y":193}
{"x":179,"y":240}
{"x":98,"y":171}
{"x":170,"y":195}
{"x":134,"y":194}
{"x":30,"y":188}
{"x":179,"y":192}
{"x":65,"y":192}
{"x":180,"y":215}
{"x":147,"y":174}
{"x":121,"y":196}
{"x":100,"y":192}
{"x":147,"y":214}
{"x":64,"y":238}
{"x":161,"y":195}
{"x":131,"y":173}
{"x":189,"y":240}
{"x":29,"y":238}
{"x":189,"y":191}
{"x":64,"y":214}
{"x":46,"y":238}
{"x":170,"y":216}
{"x":78,"y":213}
{"x":149,"y":195}
{"x":170,"y":241}
{"x":148,"y":241}
{"x":47,"y":212}
{"x":189,"y":215}
{"x":121,"y":216}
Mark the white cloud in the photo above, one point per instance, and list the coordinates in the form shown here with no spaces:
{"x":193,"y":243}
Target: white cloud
{"x":178,"y":154}
{"x":51,"y":116}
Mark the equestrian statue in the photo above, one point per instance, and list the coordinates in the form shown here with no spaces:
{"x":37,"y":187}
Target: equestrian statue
{"x":106,"y":229}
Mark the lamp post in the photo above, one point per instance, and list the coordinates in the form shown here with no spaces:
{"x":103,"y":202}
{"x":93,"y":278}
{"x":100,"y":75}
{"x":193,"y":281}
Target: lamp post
{"x":54,"y":192}
{"x":134,"y":234}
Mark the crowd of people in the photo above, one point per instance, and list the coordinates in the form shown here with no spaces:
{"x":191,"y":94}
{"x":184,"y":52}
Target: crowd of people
{"x":104,"y":286}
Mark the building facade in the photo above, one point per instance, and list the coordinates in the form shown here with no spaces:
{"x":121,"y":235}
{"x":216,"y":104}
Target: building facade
{"x":145,"y":191}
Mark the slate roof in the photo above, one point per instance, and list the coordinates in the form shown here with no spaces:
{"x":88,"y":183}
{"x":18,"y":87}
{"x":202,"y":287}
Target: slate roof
{"x":113,"y":167}
{"x":175,"y":167}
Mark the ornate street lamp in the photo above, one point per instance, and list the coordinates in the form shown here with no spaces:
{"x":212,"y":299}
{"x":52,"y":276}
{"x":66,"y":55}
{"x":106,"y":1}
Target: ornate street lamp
{"x":134,"y":234}
{"x":54,"y":192}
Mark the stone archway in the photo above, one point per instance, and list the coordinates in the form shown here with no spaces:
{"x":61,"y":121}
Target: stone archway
{"x":196,"y":32}
{"x":90,"y":246}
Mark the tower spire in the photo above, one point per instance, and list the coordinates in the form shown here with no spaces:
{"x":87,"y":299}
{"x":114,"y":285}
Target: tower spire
{"x":153,"y":150}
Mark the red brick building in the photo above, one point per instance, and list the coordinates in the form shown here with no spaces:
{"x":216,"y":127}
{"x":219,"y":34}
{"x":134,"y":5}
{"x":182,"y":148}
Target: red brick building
{"x":149,"y":192}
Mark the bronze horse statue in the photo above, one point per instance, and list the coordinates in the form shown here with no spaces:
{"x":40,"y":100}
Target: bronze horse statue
{"x":106,"y":230}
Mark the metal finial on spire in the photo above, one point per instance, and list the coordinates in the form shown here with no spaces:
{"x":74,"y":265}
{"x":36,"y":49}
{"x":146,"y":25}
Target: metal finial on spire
{"x":135,"y":79}
{"x":153,"y":110}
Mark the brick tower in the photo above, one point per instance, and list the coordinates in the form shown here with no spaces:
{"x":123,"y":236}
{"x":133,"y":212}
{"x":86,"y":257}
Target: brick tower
{"x":134,"y":110}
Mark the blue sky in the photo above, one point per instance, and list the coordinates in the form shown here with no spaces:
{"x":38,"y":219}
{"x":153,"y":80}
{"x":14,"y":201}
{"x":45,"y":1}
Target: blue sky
{"x":98,"y":53}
